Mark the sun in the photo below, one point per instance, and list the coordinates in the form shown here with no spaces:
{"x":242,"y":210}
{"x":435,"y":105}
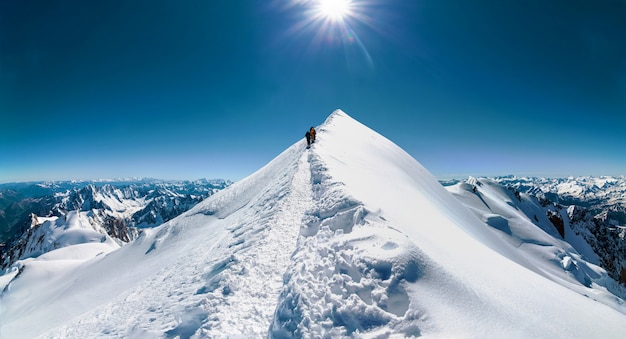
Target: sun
{"x":334,"y":10}
{"x":336,"y":23}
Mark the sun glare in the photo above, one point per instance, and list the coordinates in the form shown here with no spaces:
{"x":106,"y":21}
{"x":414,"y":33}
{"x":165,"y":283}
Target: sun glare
{"x":336,"y":23}
{"x":334,"y":10}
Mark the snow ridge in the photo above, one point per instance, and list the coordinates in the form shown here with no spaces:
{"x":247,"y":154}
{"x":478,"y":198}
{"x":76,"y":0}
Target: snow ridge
{"x":334,"y":286}
{"x":219,"y":262}
{"x":352,"y":237}
{"x":263,"y":244}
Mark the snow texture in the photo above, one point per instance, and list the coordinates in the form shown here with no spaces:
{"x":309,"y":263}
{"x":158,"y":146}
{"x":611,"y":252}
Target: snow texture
{"x":351,"y":237}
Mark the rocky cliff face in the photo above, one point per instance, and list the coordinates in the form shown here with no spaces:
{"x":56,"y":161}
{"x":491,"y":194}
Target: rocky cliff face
{"x":606,"y":239}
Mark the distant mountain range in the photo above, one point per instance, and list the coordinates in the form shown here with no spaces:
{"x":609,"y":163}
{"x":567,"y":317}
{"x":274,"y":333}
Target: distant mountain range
{"x":605,"y":195}
{"x":114,"y":208}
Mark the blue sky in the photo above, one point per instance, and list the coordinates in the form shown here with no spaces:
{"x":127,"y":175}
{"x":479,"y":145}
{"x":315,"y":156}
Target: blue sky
{"x":216,"y":89}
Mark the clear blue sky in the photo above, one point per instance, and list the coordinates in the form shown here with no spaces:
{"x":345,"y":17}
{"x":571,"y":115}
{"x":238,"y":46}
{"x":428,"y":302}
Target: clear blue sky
{"x":216,"y":89}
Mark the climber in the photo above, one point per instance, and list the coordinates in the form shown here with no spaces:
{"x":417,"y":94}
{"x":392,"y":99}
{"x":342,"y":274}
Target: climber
{"x":308,"y":139}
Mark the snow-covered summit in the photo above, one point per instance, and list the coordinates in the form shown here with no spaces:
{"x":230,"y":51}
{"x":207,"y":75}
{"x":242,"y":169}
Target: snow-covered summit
{"x":352,"y":237}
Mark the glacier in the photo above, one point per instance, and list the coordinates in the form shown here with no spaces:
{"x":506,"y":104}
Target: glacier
{"x":351,"y":238}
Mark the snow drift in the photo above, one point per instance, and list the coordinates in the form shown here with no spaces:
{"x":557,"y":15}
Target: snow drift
{"x":352,"y":237}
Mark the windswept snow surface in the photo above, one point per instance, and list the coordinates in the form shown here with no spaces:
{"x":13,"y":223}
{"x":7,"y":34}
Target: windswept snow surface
{"x":523,"y":224}
{"x":352,"y":237}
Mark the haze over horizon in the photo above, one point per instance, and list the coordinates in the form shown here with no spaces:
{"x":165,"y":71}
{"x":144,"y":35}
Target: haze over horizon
{"x":216,"y":89}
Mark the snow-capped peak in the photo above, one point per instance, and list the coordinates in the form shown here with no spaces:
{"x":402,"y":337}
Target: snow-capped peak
{"x":352,"y":237}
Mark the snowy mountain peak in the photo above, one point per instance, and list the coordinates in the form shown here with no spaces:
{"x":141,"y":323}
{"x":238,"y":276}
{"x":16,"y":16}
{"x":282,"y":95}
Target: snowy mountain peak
{"x":337,"y":113}
{"x":352,"y":237}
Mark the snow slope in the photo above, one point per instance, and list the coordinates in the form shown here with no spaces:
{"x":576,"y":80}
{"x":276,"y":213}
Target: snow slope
{"x":350,"y":238}
{"x":523,"y":224}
